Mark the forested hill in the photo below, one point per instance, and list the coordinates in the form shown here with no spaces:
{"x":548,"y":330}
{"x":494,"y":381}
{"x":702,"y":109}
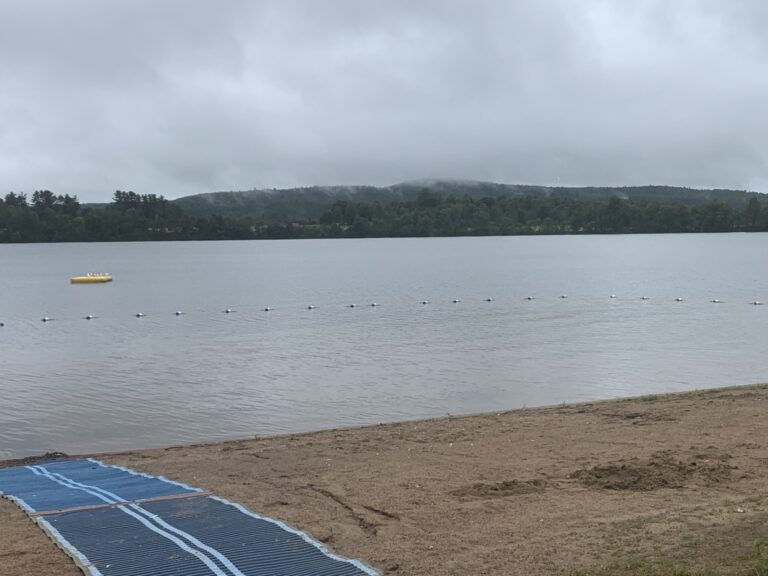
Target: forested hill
{"x":48,"y":217}
{"x":295,"y":204}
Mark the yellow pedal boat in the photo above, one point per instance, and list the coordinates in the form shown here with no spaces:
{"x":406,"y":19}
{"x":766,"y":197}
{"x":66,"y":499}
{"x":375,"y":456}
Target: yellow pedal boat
{"x":91,"y":279}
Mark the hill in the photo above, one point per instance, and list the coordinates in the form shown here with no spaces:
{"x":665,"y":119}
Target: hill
{"x":294,"y":204}
{"x":415,"y":209}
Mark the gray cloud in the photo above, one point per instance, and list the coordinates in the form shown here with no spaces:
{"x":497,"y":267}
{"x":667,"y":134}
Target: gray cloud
{"x":180,"y":97}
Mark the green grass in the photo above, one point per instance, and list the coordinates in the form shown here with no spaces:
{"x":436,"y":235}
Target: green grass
{"x":642,"y":569}
{"x":755,"y":566}
{"x":693,"y":393}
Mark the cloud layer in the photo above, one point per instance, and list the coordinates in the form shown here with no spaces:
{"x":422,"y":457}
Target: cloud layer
{"x":179,"y":97}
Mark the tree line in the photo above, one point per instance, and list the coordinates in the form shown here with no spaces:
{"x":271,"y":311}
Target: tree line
{"x":47,"y":217}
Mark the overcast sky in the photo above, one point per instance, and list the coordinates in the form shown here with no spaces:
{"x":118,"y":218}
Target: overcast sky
{"x":179,"y":97}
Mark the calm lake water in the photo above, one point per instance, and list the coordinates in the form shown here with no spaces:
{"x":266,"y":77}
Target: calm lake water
{"x":118,"y":382}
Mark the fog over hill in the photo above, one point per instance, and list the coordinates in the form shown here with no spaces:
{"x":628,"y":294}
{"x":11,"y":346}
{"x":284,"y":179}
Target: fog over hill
{"x":311,"y":202}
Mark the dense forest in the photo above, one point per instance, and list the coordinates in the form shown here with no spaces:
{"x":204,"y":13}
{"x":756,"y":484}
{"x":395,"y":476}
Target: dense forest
{"x":296,"y":204}
{"x":47,"y":217}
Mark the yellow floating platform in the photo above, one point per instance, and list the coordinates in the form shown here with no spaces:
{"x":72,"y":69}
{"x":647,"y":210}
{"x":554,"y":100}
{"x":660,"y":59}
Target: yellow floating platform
{"x":91,"y":279}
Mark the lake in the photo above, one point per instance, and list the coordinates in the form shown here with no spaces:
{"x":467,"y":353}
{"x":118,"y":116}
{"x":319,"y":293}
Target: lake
{"x":118,"y":382}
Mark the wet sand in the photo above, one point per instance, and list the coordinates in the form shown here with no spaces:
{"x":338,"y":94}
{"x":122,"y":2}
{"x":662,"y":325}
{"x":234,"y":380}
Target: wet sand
{"x":679,"y":479}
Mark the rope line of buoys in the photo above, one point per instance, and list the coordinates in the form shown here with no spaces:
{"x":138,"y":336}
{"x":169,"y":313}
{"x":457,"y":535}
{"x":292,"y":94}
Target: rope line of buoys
{"x":46,"y":319}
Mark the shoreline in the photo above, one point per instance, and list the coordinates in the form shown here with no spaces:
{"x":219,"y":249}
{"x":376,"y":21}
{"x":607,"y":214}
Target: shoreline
{"x":22,"y":460}
{"x":670,"y":480}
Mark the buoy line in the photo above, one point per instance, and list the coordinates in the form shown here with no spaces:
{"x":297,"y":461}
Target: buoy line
{"x":374,"y":304}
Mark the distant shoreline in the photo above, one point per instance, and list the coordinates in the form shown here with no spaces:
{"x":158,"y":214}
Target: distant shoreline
{"x":166,"y":241}
{"x":438,"y":211}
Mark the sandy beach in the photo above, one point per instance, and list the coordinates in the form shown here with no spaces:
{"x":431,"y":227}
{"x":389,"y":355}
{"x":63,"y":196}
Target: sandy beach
{"x":635,"y":486}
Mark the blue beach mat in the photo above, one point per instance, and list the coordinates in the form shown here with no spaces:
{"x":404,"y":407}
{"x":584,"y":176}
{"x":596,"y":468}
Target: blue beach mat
{"x":116,"y":522}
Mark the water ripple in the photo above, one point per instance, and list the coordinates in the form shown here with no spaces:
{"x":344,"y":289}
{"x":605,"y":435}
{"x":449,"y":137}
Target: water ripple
{"x":119,"y":382}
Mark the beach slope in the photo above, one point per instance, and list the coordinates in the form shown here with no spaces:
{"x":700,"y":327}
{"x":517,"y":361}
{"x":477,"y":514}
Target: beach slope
{"x":637,"y":486}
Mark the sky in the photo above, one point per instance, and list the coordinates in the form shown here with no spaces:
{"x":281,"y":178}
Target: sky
{"x":179,"y":97}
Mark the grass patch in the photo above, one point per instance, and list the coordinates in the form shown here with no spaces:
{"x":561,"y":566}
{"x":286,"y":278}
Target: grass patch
{"x":760,"y":567}
{"x":642,"y":568}
{"x":693,"y":393}
{"x":757,"y":565}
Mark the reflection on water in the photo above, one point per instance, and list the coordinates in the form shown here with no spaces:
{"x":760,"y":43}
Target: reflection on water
{"x":118,"y":381}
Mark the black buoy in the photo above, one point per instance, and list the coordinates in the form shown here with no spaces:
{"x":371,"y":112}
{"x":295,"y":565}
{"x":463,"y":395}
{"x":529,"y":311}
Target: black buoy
{"x":351,"y":306}
{"x":563,"y":296}
{"x":489,"y":299}
{"x":529,"y":298}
